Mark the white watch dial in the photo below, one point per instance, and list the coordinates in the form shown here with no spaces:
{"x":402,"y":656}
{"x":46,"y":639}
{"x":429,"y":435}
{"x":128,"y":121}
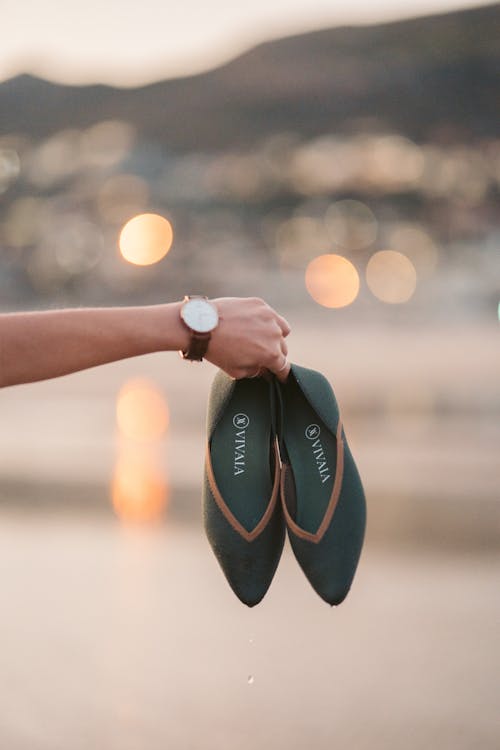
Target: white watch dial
{"x":199,"y":315}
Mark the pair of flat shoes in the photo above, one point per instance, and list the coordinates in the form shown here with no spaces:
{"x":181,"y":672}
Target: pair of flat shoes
{"x":277,"y":461}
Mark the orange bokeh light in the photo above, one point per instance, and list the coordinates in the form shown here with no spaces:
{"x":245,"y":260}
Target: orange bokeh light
{"x":146,"y":239}
{"x":332,"y":281}
{"x":141,"y":411}
{"x":139,"y":489}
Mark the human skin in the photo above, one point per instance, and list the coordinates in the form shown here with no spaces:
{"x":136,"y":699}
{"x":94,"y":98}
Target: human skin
{"x":46,"y":344}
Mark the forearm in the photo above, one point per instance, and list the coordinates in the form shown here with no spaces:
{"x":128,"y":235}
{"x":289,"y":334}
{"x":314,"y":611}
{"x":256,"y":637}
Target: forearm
{"x":40,"y":345}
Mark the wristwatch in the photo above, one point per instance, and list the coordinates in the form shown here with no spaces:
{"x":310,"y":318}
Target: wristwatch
{"x":201,"y":318}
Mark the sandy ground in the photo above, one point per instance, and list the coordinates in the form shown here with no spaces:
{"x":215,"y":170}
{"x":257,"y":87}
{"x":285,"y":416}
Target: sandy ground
{"x":128,"y":638}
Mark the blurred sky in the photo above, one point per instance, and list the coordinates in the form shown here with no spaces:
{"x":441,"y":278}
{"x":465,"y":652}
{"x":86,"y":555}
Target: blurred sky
{"x":127,"y":42}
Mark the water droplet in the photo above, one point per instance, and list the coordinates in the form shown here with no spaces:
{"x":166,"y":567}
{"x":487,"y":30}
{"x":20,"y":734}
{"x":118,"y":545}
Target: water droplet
{"x":250,"y":679}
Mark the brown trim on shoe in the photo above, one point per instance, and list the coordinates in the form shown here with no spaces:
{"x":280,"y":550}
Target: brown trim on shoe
{"x":332,"y":503}
{"x":249,"y":536}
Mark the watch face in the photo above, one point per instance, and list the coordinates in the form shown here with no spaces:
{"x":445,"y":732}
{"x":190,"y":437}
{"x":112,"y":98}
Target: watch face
{"x":199,"y":315}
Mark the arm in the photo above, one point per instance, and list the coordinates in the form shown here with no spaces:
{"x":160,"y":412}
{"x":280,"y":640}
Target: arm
{"x":40,"y":345}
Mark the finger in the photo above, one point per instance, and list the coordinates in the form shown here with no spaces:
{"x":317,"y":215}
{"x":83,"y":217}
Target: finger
{"x":243,"y":372}
{"x":282,"y":375}
{"x":280,"y":366}
{"x":237,"y":373}
{"x":283,"y":324}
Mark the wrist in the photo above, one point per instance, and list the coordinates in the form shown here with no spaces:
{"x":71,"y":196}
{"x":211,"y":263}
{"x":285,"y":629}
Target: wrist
{"x":171,"y":334}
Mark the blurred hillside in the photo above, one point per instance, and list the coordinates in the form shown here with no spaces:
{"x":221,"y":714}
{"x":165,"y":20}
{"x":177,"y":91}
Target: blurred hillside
{"x":428,"y":78}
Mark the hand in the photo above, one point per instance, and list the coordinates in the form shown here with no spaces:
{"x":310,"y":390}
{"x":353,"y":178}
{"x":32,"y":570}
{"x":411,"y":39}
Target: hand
{"x":250,"y":337}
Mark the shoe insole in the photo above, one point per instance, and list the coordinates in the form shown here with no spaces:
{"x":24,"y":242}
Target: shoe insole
{"x":312,"y":450}
{"x":240,"y":451}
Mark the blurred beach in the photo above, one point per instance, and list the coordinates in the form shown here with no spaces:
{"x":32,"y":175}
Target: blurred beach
{"x":126,"y":638}
{"x":119,"y":630}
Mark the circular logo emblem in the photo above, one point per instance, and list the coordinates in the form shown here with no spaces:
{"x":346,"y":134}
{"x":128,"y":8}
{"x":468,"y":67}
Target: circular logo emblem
{"x":241,"y":421}
{"x":312,"y":431}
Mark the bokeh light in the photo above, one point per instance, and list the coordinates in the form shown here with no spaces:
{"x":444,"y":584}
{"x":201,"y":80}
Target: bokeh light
{"x":391,"y":276}
{"x":139,"y":489}
{"x":23,"y":223}
{"x":55,"y":159}
{"x":141,"y":411}
{"x":79,"y":245}
{"x":10,"y":167}
{"x":146,"y":239}
{"x":392,"y":162}
{"x":69,"y":246}
{"x":122,"y":196}
{"x":298,"y":240}
{"x":459,"y":172}
{"x":351,"y":224}
{"x":332,"y":281}
{"x":317,"y":166}
{"x":107,"y":143}
{"x":414,"y":242}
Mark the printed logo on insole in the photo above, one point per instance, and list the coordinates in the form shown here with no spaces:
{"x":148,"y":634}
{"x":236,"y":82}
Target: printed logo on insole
{"x":312,"y":433}
{"x":240,"y":422}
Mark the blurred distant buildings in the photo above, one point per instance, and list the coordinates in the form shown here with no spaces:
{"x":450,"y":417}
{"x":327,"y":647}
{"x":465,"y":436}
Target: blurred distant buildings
{"x":272,"y":208}
{"x":249,"y":217}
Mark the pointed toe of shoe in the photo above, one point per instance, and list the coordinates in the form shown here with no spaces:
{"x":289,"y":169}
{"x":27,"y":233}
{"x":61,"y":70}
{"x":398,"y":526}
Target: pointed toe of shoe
{"x":330,"y":563}
{"x":243,"y":517}
{"x":321,"y":491}
{"x":329,"y":578}
{"x":248,"y":566}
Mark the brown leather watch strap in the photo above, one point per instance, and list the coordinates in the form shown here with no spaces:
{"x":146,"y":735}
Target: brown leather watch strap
{"x":198,"y":346}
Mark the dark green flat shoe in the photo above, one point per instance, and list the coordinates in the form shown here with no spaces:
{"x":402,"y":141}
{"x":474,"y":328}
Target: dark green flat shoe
{"x":242,"y":513}
{"x":322,"y":495}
